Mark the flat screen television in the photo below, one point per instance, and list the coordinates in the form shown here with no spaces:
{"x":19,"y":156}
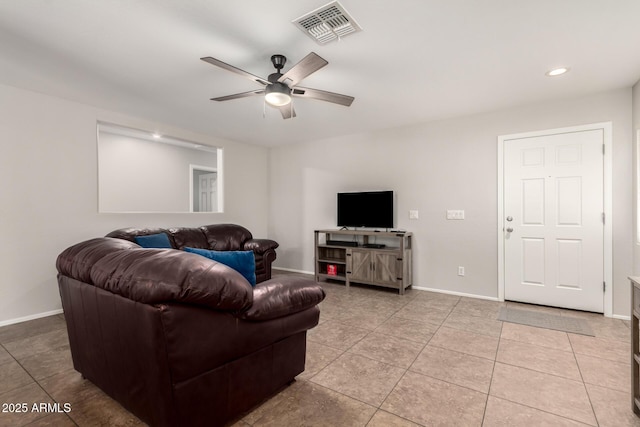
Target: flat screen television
{"x":371,"y":209}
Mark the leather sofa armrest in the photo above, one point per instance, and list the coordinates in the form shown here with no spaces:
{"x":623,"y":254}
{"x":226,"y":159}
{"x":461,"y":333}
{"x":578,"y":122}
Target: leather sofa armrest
{"x":282,"y":296}
{"x":260,"y":246}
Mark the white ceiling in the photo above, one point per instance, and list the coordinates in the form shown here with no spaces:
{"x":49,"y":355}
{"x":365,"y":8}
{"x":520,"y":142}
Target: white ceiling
{"x":414,"y":61}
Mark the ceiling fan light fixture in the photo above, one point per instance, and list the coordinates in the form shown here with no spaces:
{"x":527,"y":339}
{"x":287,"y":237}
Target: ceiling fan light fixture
{"x":557,"y":71}
{"x":277,"y":94}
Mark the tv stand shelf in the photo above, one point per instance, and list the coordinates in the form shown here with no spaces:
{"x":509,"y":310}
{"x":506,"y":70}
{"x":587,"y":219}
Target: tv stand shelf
{"x":389,"y":266}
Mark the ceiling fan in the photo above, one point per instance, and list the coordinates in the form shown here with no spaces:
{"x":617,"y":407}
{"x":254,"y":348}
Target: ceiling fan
{"x":279,"y":88}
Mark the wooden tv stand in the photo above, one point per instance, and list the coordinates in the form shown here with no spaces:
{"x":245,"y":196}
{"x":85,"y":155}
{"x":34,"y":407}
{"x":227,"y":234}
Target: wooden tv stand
{"x":635,"y":344}
{"x":389,"y":266}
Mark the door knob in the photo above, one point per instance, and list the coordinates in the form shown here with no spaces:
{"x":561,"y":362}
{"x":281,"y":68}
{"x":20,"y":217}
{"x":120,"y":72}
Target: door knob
{"x":509,"y":229}
{"x":509,"y":218}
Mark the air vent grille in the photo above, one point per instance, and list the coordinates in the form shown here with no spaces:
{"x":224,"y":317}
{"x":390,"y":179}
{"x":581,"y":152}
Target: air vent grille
{"x":327,"y":23}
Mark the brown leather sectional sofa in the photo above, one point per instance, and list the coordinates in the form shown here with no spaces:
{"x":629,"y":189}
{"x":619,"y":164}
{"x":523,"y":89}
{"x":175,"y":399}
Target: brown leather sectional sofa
{"x":176,"y":338}
{"x":219,"y":237}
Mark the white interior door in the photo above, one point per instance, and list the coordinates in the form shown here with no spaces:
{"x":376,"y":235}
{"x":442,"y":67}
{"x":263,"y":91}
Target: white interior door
{"x":208,"y":192}
{"x":553,"y":220}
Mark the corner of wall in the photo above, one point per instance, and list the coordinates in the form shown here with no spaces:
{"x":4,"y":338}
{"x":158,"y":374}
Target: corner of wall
{"x":635,"y":112}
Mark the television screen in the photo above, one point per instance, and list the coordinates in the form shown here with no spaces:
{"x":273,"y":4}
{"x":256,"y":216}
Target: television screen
{"x":366,"y":209}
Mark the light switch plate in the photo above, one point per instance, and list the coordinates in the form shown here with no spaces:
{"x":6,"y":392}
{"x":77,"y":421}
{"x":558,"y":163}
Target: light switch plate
{"x":413,"y":214}
{"x":455,"y":214}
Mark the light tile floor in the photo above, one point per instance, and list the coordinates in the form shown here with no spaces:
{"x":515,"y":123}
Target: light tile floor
{"x":379,"y":359}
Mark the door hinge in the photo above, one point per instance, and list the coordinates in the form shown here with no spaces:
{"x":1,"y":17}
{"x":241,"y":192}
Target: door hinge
{"x":604,"y":286}
{"x":602,"y":148}
{"x":603,"y":217}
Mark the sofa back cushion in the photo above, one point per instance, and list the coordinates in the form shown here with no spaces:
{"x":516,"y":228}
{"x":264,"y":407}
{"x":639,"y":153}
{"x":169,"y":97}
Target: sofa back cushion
{"x":188,"y":237}
{"x":154,"y":276}
{"x":226,"y":237}
{"x":130,"y":234}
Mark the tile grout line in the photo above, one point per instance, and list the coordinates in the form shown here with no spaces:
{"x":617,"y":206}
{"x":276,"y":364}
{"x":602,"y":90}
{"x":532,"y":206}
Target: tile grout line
{"x":396,"y":415}
{"x":376,"y":408}
{"x":37,"y":383}
{"x":493,"y":370}
{"x":541,"y":410}
{"x":584,"y":385}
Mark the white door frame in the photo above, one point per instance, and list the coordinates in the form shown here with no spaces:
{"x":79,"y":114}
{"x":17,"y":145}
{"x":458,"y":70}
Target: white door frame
{"x":606,"y":128}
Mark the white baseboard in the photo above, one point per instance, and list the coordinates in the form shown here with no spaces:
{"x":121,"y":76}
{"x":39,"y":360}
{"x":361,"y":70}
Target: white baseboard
{"x":440,"y":291}
{"x":460,"y":294}
{"x":419,"y":288}
{"x":291,"y":270}
{"x":30,"y":317}
{"x":620,"y":316}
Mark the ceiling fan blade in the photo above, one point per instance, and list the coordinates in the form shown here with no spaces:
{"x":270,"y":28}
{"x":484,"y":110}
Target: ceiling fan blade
{"x":323,"y":95}
{"x":239,"y":95}
{"x":233,"y":69}
{"x":287,"y":111}
{"x":307,"y":66}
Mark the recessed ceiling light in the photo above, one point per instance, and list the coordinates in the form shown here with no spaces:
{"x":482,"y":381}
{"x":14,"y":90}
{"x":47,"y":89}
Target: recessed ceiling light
{"x":156,"y":135}
{"x":557,"y":71}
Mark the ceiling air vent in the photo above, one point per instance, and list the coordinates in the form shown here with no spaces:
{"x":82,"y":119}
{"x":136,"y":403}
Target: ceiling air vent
{"x":327,"y":23}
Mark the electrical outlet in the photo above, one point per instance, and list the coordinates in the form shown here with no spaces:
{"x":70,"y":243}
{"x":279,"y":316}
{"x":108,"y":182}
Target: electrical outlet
{"x":460,"y":271}
{"x":455,"y":214}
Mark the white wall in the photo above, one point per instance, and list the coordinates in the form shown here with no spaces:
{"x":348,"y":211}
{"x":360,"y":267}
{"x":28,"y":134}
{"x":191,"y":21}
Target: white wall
{"x":48,"y":192}
{"x":451,"y":164}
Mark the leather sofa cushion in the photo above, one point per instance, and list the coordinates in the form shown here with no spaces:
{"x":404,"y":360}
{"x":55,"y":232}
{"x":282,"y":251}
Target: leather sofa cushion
{"x":283,"y":296}
{"x":153,"y":276}
{"x":226,"y":237}
{"x":76,"y":261}
{"x":187,"y":236}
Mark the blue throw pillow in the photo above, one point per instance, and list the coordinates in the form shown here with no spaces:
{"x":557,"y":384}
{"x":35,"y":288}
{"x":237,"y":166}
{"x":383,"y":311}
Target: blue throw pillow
{"x":159,"y":240}
{"x":242,"y":261}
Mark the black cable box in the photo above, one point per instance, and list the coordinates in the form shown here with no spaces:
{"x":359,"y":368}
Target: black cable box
{"x":374,"y":245}
{"x":341,"y":243}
